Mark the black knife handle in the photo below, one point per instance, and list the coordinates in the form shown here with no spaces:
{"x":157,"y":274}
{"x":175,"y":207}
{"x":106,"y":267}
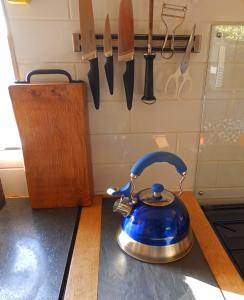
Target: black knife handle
{"x":109,"y":71}
{"x":149,"y":97}
{"x":128,"y":77}
{"x":93,"y":76}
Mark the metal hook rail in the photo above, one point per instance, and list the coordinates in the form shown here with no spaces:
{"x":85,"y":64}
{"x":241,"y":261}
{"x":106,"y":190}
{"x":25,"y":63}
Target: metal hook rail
{"x":180,"y":43}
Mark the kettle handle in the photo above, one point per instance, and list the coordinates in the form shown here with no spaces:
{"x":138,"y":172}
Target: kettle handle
{"x":155,"y":157}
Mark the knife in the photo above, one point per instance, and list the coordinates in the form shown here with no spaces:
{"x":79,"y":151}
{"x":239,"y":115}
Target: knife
{"x":108,"y":52}
{"x":88,"y":44}
{"x":126,"y":47}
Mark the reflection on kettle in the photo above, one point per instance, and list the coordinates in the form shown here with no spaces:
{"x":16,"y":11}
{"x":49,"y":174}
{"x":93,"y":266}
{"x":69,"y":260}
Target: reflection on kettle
{"x":155,"y":224}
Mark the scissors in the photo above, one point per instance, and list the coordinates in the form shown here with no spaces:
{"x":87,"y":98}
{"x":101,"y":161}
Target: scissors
{"x":182,"y":75}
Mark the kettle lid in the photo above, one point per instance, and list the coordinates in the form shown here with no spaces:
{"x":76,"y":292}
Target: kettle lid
{"x":157,"y":195}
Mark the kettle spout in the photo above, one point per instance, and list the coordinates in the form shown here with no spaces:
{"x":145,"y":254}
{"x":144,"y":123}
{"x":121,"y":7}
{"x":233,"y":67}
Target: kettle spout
{"x":123,"y":206}
{"x":111,"y":191}
{"x":123,"y":191}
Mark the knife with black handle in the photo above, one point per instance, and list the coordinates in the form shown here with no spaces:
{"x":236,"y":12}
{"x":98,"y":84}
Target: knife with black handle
{"x":126,"y":47}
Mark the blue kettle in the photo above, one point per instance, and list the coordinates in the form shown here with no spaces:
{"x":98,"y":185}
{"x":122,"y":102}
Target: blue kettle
{"x":155,"y":224}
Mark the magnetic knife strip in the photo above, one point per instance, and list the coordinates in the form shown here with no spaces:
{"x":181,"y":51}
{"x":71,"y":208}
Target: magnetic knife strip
{"x":141,"y":40}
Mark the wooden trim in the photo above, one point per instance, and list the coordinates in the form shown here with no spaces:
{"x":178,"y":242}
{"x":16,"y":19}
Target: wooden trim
{"x":83,"y":275}
{"x":226,"y":275}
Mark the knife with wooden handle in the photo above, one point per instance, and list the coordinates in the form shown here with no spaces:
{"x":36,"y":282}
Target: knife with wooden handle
{"x":108,"y":52}
{"x":88,"y":44}
{"x":126,"y":47}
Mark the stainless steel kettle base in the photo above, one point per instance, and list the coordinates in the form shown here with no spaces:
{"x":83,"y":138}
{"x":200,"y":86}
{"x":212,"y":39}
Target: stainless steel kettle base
{"x":154,"y":254}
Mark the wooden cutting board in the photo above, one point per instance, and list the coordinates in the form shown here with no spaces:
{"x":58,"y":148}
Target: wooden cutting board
{"x":53,"y":126}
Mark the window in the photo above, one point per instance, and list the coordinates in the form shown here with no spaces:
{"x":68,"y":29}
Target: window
{"x":8,"y":130}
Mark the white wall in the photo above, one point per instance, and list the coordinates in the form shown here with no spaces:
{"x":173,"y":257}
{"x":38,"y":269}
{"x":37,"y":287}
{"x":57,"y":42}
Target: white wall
{"x":42,"y":33}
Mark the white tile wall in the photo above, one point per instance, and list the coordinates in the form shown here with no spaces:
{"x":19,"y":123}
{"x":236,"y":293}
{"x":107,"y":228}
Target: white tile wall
{"x":42,"y":38}
{"x":110,"y":175}
{"x":126,"y":148}
{"x":217,"y":11}
{"x":44,"y":41}
{"x":167,"y":116}
{"x":112,"y":117}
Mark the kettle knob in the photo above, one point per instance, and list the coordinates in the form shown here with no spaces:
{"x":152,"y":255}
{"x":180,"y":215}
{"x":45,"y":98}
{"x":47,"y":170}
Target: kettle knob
{"x":157,"y":189}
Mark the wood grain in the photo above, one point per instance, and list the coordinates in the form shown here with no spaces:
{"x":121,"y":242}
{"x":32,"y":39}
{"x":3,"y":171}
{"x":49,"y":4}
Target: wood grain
{"x":83,"y":275}
{"x":87,"y":30}
{"x":126,"y":31}
{"x":53,"y":126}
{"x":226,"y":275}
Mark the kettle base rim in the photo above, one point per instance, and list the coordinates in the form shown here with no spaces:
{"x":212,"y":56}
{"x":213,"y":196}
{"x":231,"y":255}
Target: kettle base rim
{"x":154,"y":254}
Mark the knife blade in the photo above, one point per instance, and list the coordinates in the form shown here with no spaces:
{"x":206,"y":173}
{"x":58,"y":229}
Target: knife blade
{"x":126,"y":47}
{"x":88,"y":44}
{"x":108,"y":52}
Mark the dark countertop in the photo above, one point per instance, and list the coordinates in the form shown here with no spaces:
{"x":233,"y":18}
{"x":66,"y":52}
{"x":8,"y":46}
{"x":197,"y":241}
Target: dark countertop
{"x":122,"y":277}
{"x":34,"y":249}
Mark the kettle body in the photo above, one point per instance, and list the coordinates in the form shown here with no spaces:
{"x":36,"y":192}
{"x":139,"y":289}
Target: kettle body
{"x":155,"y":224}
